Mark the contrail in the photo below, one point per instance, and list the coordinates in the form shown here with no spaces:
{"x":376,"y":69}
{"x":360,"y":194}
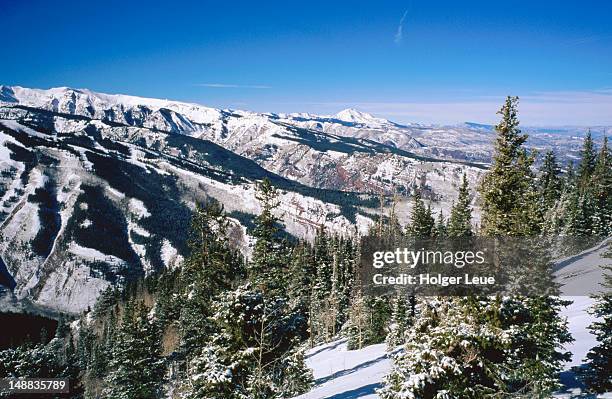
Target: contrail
{"x":399,"y":35}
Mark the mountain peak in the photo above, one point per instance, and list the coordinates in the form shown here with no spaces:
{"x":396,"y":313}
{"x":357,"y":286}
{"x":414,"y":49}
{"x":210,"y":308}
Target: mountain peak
{"x":353,"y":115}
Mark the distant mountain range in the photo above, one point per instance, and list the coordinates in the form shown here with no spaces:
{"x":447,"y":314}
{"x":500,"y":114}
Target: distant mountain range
{"x":98,"y":188}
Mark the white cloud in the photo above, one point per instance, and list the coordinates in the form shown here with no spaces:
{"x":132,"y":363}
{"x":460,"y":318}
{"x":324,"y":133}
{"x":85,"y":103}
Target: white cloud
{"x":399,"y":34}
{"x":232,"y":86}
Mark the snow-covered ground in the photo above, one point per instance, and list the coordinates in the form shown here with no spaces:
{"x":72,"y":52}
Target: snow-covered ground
{"x":343,"y":374}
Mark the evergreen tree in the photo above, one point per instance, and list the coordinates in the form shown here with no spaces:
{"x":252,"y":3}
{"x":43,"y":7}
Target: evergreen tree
{"x":460,"y":221}
{"x":535,"y":358}
{"x":595,"y":373}
{"x":601,"y":189}
{"x":570,"y":177}
{"x":269,"y":263}
{"x":473,"y":347}
{"x":445,"y":355}
{"x":212,"y":267}
{"x":422,"y":222}
{"x":253,"y":348}
{"x":136,"y":368}
{"x":302,"y":273}
{"x":549,"y":183}
{"x":509,"y":204}
{"x":586,"y":206}
{"x":587,"y":160}
{"x":319,"y":322}
{"x":253,"y":354}
{"x":441,"y":230}
{"x":401,"y":320}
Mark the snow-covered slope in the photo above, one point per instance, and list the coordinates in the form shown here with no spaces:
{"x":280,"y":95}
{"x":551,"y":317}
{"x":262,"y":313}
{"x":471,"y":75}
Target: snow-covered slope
{"x":341,"y":374}
{"x":341,"y":151}
{"x":84,"y":204}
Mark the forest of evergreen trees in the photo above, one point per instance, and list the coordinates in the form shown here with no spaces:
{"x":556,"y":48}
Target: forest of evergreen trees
{"x":224,"y":327}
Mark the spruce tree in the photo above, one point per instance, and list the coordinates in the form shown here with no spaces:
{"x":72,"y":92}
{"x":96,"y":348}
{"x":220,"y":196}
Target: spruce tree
{"x":595,"y":372}
{"x":601,"y":189}
{"x":588,"y":155}
{"x":549,"y":183}
{"x":441,"y":230}
{"x":509,"y":204}
{"x":460,"y":221}
{"x":422,"y":222}
{"x":212,"y":267}
{"x":136,"y":368}
{"x":535,"y":357}
{"x":253,"y":348}
{"x":322,"y":287}
{"x":586,"y":210}
{"x":447,"y":352}
{"x":401,"y":320}
{"x":270,"y":261}
{"x":302,"y":273}
{"x":254,"y":352}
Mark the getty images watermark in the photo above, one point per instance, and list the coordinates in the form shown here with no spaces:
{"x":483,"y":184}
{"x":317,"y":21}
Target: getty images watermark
{"x":481,"y":266}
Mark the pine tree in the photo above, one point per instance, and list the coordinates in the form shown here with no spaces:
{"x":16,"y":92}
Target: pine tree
{"x":549,"y":183}
{"x":269,"y":262}
{"x":422,"y":222}
{"x":136,"y":367}
{"x":595,"y":372}
{"x":508,"y":195}
{"x":601,"y":189}
{"x":441,"y":230}
{"x":587,"y":160}
{"x":460,"y":221}
{"x":401,"y":320}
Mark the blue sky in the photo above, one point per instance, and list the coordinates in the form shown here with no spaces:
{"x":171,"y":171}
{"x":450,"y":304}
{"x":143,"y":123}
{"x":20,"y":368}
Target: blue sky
{"x":423,"y":61}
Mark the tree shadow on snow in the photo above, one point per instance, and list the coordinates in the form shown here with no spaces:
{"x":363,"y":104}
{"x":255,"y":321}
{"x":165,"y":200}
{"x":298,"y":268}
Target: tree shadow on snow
{"x":369,"y":389}
{"x":344,"y":372}
{"x":327,"y":348}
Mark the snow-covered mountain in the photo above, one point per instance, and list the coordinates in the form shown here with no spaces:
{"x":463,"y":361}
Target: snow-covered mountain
{"x":97,"y":188}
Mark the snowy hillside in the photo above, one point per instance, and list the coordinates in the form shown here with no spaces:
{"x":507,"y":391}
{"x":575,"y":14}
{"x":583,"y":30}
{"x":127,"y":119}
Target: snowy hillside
{"x":78,"y":165}
{"x":341,"y":374}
